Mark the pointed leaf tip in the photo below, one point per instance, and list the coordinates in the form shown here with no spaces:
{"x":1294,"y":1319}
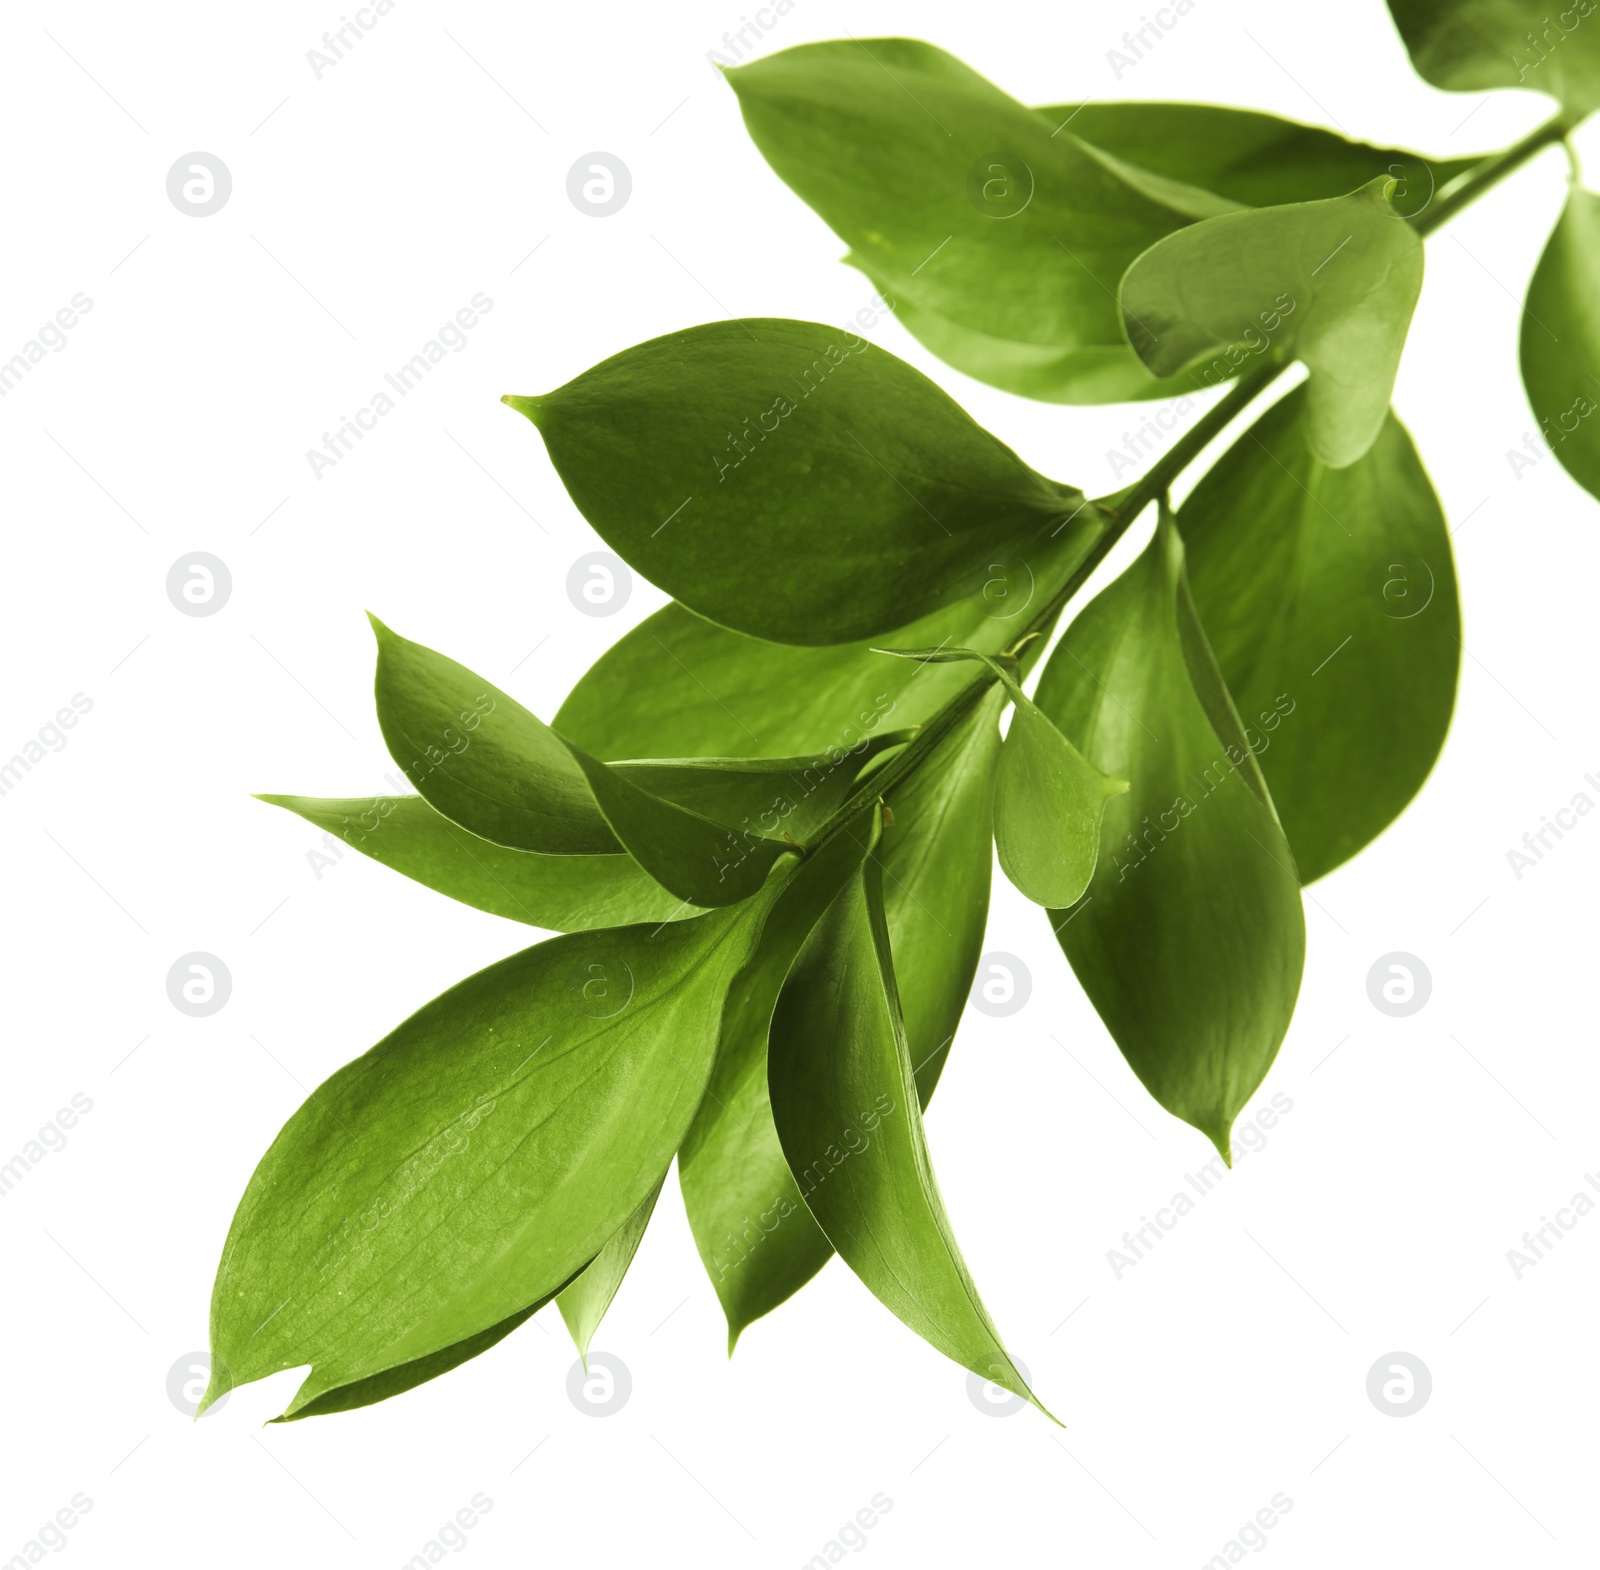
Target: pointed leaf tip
{"x":529,"y":406}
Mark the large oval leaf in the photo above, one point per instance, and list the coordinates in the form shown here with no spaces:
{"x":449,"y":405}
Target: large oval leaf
{"x":560,"y":893}
{"x":1469,"y":45}
{"x":477,"y":1158}
{"x":1255,"y":159}
{"x":1561,"y":340}
{"x":1191,"y":939}
{"x":1331,"y":283}
{"x":844,"y":1100}
{"x":999,"y":242}
{"x":794,"y":481}
{"x":1329,"y":599}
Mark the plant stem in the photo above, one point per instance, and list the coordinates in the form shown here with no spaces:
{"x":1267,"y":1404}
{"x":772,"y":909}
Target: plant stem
{"x":1492,"y":171}
{"x":1119,"y":510}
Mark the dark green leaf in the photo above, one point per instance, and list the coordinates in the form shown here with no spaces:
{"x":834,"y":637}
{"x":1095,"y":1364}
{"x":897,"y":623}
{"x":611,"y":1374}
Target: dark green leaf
{"x":1331,"y":283}
{"x":561,"y":893}
{"x":844,"y":1100}
{"x":795,"y":482}
{"x":499,"y":771}
{"x":999,"y":243}
{"x":478,"y":1157}
{"x":1470,"y":45}
{"x":1561,"y":342}
{"x":680,"y":685}
{"x":756,"y":1238}
{"x":1255,"y":159}
{"x":1329,"y":598}
{"x":1190,"y":940}
{"x":583,"y":1303}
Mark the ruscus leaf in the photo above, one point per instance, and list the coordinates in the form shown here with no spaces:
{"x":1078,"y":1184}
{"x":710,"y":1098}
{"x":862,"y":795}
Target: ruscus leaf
{"x":1190,"y":940}
{"x":795,"y":482}
{"x":1329,"y":599}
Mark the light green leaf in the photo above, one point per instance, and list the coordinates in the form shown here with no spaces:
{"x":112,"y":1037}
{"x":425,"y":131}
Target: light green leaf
{"x":407,"y":1376}
{"x":844,"y":1100}
{"x":998,"y":243}
{"x":1561,"y":342}
{"x":757,"y":1240}
{"x":1048,"y":801}
{"x":561,"y":893}
{"x":1330,"y":283}
{"x":795,"y":482}
{"x":1254,"y":159}
{"x":478,"y":1157}
{"x":584,"y":1302}
{"x":1329,"y":598}
{"x":1469,"y":45}
{"x":484,"y":761}
{"x":1190,"y":940}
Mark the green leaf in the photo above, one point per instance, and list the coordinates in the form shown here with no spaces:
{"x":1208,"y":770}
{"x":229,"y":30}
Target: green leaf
{"x":1469,"y":45}
{"x":1561,"y":342}
{"x":477,"y":1158}
{"x":756,"y":1237}
{"x":1190,"y":941}
{"x":677,"y":684}
{"x":1048,"y":801}
{"x":1331,"y":283}
{"x":560,"y":893}
{"x":936,"y":859}
{"x":1255,"y":159}
{"x":584,"y":1302}
{"x":1329,"y":599}
{"x":999,"y":243}
{"x":757,"y":1240}
{"x":795,"y":482}
{"x":484,"y":761}
{"x":844,"y":1100}
{"x":396,"y":1381}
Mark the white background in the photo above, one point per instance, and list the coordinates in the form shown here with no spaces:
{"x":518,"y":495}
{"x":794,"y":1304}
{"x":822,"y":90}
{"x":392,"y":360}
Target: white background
{"x":367,"y":207}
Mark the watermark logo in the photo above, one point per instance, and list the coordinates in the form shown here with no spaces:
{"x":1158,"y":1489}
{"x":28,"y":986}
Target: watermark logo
{"x":1401,"y":586}
{"x":198,"y":984}
{"x":199,"y":584}
{"x":1000,"y":185}
{"x":1399,"y":984}
{"x":598,"y":584}
{"x":1399,"y":1384}
{"x":186,"y":1383}
{"x":602,"y":1388}
{"x":995,"y":1400}
{"x":199,"y":185}
{"x":1003,"y":985}
{"x":599,"y":185}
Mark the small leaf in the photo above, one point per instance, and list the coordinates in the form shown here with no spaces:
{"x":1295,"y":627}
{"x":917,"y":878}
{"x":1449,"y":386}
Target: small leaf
{"x":1048,"y":801}
{"x":794,"y":481}
{"x":583,"y":1303}
{"x":844,"y":1100}
{"x":1561,"y":343}
{"x":483,"y":760}
{"x":1190,"y":940}
{"x":560,"y":893}
{"x":477,"y":1158}
{"x":1468,"y":45}
{"x":1255,"y":159}
{"x":997,"y":238}
{"x":1331,"y":283}
{"x":1329,"y":599}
